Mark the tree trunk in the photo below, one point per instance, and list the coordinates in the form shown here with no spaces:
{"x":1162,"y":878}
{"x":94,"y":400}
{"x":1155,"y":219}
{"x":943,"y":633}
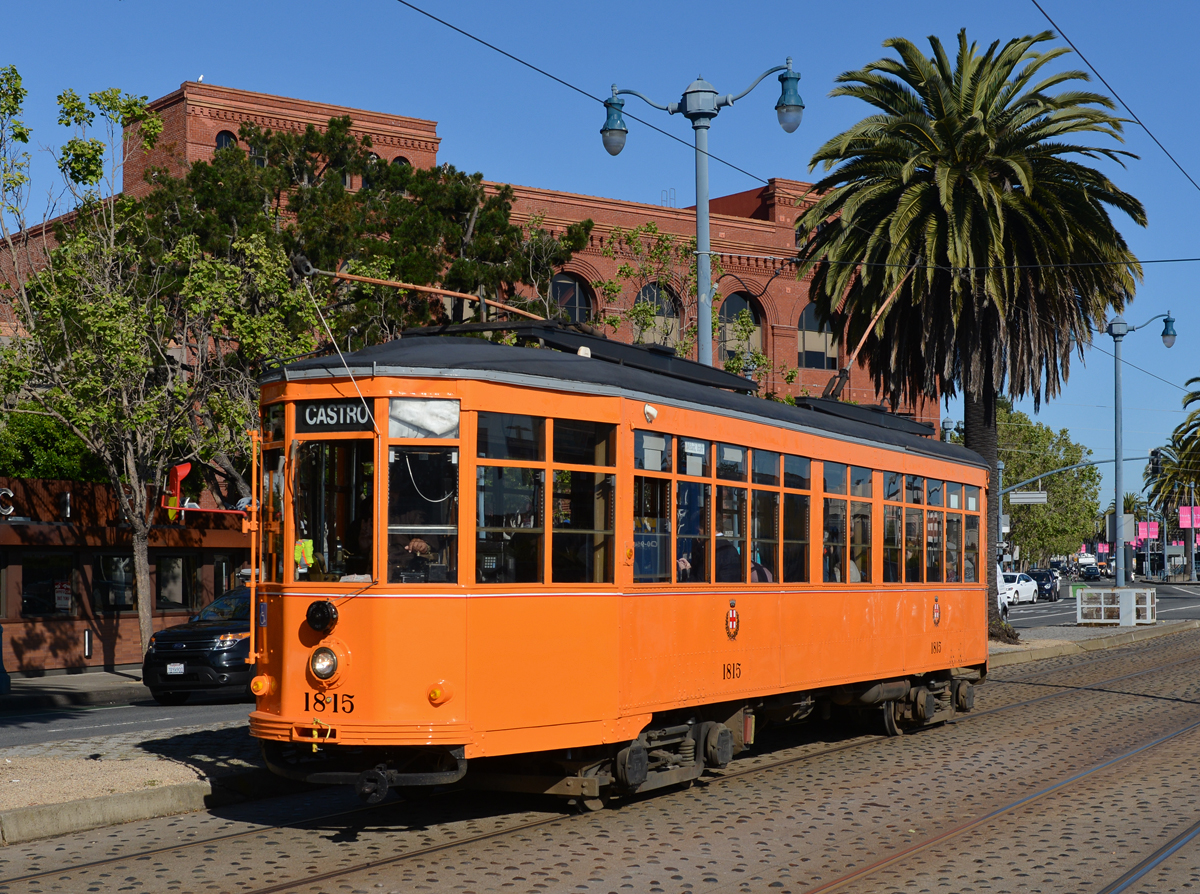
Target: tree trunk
{"x":145,"y":591}
{"x":980,"y":434}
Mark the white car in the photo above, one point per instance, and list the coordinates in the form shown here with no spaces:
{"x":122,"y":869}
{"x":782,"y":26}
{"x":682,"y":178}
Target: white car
{"x":1002,"y":602}
{"x":1023,"y":587}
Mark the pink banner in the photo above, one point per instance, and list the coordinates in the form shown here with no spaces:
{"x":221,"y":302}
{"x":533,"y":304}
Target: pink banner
{"x":1188,"y":516}
{"x":1101,"y":548}
{"x":1147,"y":530}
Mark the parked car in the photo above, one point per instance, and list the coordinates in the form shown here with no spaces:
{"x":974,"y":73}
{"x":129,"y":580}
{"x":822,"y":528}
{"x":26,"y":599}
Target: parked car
{"x":210,"y":653}
{"x":1091,"y":573}
{"x":1047,"y":584}
{"x":1026,"y":589}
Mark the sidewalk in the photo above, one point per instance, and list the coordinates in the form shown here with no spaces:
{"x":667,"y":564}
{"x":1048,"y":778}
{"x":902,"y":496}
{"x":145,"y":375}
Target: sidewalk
{"x":121,"y":686}
{"x":87,"y":783}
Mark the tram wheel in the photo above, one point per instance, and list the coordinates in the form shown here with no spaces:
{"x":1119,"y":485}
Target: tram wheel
{"x":889,"y":719}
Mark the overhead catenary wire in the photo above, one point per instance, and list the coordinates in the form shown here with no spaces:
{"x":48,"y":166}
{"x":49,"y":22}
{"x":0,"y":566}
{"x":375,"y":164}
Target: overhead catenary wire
{"x":1113,"y":91}
{"x":570,"y":86}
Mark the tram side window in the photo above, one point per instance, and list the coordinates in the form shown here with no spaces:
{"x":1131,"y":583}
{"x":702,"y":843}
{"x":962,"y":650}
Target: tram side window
{"x":422,"y":515}
{"x":893,"y":544}
{"x":953,"y":548}
{"x":860,"y":482}
{"x":971,"y":549}
{"x":933,"y":547}
{"x":272,"y":423}
{"x":582,"y":540}
{"x":651,"y":452}
{"x":834,"y":552}
{"x":651,"y":530}
{"x":691,"y":531}
{"x":271,"y":568}
{"x":334,"y":499}
{"x":914,"y":543}
{"x":933,"y":491}
{"x":731,"y":462}
{"x":764,"y":534}
{"x":766,"y":468}
{"x":971,"y":497}
{"x":693,"y":458}
{"x":835,"y":478}
{"x":914,"y":489}
{"x":797,"y":472}
{"x":860,"y":542}
{"x":511,"y":531}
{"x":584,"y":443}
{"x":416,"y":417}
{"x":893,"y":486}
{"x":795,"y":538}
{"x":511,"y":436}
{"x":953,"y":495}
{"x":731,"y":535}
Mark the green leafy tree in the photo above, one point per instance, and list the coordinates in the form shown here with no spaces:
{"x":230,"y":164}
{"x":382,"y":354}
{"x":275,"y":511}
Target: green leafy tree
{"x":961,"y":213}
{"x":1068,"y":517}
{"x":33,"y":445}
{"x":124,"y":332}
{"x":646,"y":255}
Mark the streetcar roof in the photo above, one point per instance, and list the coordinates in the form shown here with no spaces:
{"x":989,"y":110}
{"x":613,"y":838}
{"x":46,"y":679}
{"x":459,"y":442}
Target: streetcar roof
{"x":475,"y":358}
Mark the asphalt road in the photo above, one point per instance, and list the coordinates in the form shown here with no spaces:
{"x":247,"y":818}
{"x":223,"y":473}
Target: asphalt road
{"x":36,"y":727}
{"x":1175,"y":603}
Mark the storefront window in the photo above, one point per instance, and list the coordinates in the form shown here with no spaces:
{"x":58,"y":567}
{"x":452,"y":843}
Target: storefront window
{"x":46,"y":584}
{"x":114,"y":588}
{"x":178,"y":583}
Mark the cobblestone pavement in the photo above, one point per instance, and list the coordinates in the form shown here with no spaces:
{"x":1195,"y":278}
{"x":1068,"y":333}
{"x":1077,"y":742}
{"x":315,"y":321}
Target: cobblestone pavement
{"x":822,"y":803}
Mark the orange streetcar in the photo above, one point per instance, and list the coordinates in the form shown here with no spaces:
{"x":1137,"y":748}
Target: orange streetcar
{"x":589,"y":568}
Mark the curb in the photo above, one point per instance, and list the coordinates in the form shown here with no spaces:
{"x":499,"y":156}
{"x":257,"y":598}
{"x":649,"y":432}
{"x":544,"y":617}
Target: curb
{"x":1006,"y":659}
{"x":125,"y":695}
{"x":51,"y":820}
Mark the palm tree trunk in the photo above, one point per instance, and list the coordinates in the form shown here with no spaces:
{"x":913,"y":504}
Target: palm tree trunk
{"x":981,"y":435}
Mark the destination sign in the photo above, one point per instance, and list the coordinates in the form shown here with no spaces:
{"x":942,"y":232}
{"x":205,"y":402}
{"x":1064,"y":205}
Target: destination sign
{"x":333,"y":415}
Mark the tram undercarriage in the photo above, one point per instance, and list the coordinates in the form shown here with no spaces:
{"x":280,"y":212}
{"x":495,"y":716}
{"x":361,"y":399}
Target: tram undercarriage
{"x":674,"y":749}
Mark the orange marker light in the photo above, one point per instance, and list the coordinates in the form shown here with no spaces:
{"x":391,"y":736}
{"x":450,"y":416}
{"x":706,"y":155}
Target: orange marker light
{"x":261,"y":685}
{"x":440,"y":693}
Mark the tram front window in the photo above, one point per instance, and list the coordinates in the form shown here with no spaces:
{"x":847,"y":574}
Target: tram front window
{"x":334,"y":522}
{"x":511,"y":532}
{"x":422,"y":515}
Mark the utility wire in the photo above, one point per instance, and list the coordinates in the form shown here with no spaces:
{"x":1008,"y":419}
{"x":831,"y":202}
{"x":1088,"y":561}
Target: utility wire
{"x":1111,"y":90}
{"x":570,"y":86}
{"x":1139,"y":369}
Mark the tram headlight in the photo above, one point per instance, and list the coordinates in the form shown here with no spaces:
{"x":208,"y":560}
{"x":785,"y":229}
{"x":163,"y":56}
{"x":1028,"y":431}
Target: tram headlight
{"x":321,"y":616}
{"x":323,"y":663}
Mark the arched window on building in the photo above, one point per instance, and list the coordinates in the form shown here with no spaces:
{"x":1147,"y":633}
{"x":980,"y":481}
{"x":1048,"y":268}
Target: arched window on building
{"x":226,"y":139}
{"x":817,"y":348}
{"x":663,"y":327}
{"x":730,"y":344}
{"x":401,"y":160}
{"x":367,"y":180}
{"x":574,"y":297}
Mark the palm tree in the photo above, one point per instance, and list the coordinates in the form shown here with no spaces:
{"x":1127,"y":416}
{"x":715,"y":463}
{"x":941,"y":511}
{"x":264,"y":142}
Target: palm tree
{"x":961,"y":235}
{"x":1179,"y":472}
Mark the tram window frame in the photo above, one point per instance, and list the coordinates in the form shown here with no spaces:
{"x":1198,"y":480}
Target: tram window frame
{"x":729,"y":534}
{"x":893,"y":544}
{"x":538,"y":438}
{"x":273,"y":521}
{"x":292,"y":516}
{"x":954,"y":522}
{"x":648,"y":444}
{"x":893,"y":487}
{"x":423,"y":550}
{"x":833,"y":541}
{"x":528,"y":522}
{"x":971,"y":498}
{"x":764,"y":535}
{"x":604,"y":454}
{"x":914,"y":545}
{"x":972,"y":551}
{"x":797,"y":472}
{"x":732,"y":462}
{"x":652,"y":533}
{"x":693,"y":533}
{"x":796,"y":553}
{"x":764,"y":466}
{"x":858,"y":565}
{"x":914,"y":490}
{"x":834,"y":476}
{"x":934,"y":544}
{"x":933,"y":491}
{"x":694,"y":453}
{"x":569,"y":550}
{"x":954,"y":496}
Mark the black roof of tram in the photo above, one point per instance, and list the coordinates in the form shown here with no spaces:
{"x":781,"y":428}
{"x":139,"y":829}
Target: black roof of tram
{"x":475,"y":355}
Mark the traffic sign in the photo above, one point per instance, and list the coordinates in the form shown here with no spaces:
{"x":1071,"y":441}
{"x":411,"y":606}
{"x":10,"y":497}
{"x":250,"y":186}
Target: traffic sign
{"x":1027,"y":497}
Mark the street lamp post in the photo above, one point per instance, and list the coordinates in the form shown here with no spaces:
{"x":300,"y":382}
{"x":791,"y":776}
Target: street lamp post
{"x":700,"y":104}
{"x":1118,"y":329}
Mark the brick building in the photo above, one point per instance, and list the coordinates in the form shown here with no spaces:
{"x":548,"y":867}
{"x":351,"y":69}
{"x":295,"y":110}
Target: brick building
{"x":61,"y":577}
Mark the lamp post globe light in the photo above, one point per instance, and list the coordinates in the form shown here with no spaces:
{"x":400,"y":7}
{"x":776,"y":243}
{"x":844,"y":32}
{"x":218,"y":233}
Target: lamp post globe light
{"x":700,"y":104}
{"x":1118,"y":329}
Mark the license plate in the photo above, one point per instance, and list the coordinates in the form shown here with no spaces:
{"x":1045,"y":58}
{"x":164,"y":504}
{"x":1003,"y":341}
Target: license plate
{"x":175,"y":667}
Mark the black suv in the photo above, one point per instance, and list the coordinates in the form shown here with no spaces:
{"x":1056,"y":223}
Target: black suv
{"x":211,"y":652}
{"x":1091,"y":572}
{"x":1047,"y":585}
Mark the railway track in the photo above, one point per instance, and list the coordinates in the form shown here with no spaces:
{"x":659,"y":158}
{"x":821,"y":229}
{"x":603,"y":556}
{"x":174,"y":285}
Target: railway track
{"x":715,"y":777}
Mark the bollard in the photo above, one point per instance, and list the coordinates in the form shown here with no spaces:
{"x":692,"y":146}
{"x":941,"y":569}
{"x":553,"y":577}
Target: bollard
{"x":5,"y":681}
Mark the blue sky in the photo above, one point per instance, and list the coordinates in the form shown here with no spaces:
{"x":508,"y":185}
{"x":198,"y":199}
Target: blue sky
{"x":517,"y":126}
